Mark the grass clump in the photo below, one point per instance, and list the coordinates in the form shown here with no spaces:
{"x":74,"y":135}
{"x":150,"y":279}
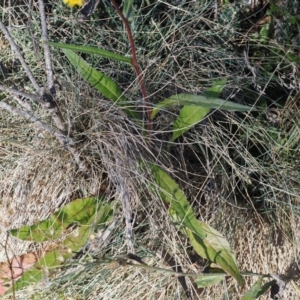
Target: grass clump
{"x":237,"y":170}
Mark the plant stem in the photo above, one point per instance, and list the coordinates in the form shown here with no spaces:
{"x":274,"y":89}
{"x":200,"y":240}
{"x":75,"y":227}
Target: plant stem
{"x":135,"y":64}
{"x":120,"y":262}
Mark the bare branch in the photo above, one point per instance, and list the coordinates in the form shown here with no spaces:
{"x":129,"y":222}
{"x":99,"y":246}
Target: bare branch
{"x":63,"y":139}
{"x":47,"y":54}
{"x":32,"y":97}
{"x":17,"y":51}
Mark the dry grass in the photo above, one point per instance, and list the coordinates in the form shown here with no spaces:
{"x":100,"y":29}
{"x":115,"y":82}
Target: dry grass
{"x":236,"y":172}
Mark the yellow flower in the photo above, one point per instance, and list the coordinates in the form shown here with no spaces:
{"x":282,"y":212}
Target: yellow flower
{"x":72,"y":3}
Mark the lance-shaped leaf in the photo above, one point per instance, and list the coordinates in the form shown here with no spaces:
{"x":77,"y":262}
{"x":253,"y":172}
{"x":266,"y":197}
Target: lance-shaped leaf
{"x":76,"y":213}
{"x":199,"y":100}
{"x":214,"y":247}
{"x":101,"y":82}
{"x":97,"y":79}
{"x":188,"y":117}
{"x":206,"y":280}
{"x":128,"y":8}
{"x":257,"y":289}
{"x":191,"y":115}
{"x":73,"y":219}
{"x":92,"y":50}
{"x":206,"y":241}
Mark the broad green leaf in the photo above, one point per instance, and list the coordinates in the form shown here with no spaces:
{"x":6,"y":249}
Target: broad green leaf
{"x":127,"y":8}
{"x":78,"y":212}
{"x":78,"y":239}
{"x":215,"y":248}
{"x":206,"y":241}
{"x":92,"y":50}
{"x":191,"y":115}
{"x":215,"y":90}
{"x":96,"y":78}
{"x":39,"y":271}
{"x":99,"y":81}
{"x":206,"y":280}
{"x":30,"y":277}
{"x":179,"y":208}
{"x":199,"y":100}
{"x":188,"y":117}
{"x":61,"y":251}
{"x":257,"y":289}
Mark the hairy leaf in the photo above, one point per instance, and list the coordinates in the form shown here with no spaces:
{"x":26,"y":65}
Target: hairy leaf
{"x":75,"y":220}
{"x":216,"y":89}
{"x":215,"y":248}
{"x":257,"y":289}
{"x":206,"y":280}
{"x":191,"y":115}
{"x":96,"y":78}
{"x":76,"y":213}
{"x":206,"y":241}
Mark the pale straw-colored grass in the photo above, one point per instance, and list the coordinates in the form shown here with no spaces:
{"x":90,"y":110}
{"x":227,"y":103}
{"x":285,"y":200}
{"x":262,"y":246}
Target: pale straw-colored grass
{"x":252,"y":197}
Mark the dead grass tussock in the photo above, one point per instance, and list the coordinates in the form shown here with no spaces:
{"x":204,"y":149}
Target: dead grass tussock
{"x":252,"y":200}
{"x":41,"y":177}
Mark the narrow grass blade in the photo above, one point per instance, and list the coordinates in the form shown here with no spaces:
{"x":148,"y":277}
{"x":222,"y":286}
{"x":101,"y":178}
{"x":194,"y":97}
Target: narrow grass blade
{"x":92,"y":50}
{"x":127,"y":8}
{"x":296,"y":288}
{"x":199,"y":100}
{"x":206,"y":280}
{"x":207,"y":242}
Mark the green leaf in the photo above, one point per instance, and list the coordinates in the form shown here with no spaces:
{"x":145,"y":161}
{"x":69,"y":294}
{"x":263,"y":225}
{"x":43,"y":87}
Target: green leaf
{"x":206,"y":280}
{"x":188,"y":117}
{"x":179,"y":208}
{"x":41,"y":269}
{"x":206,"y":241}
{"x":127,"y":8}
{"x":215,"y":248}
{"x":96,"y":78}
{"x":191,"y":115}
{"x":92,"y":50}
{"x":257,"y":289}
{"x":84,"y":213}
{"x":199,"y":100}
{"x":78,"y":212}
{"x":99,"y":81}
{"x":216,"y":89}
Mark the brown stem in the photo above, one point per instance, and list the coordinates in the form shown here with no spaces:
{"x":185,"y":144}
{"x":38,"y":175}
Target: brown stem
{"x":135,"y":64}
